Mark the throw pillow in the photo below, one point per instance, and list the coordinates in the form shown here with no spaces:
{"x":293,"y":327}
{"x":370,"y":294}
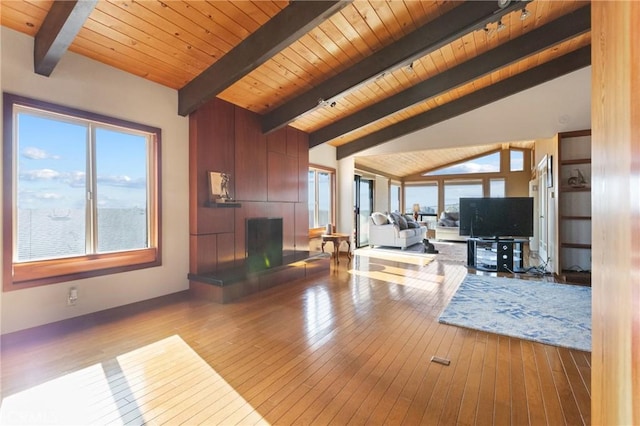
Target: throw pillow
{"x":379,"y":218}
{"x":453,"y":216}
{"x":413,"y":224}
{"x":398,"y":219}
{"x":402,"y":222}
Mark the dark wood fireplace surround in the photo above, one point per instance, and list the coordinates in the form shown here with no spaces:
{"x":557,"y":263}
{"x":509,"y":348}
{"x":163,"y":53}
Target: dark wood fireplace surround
{"x":268,"y":179}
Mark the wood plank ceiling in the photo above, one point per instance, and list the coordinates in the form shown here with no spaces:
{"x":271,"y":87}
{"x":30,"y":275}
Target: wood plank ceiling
{"x":352,"y":74}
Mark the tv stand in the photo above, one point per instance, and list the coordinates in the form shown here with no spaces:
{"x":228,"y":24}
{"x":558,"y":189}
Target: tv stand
{"x":496,"y":254}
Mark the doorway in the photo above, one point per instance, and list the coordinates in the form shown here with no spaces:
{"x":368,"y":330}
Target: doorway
{"x":363,"y":206}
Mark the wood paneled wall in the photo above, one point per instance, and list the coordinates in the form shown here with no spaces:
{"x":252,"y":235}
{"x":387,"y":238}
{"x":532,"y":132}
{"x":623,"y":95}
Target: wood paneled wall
{"x":268,"y":178}
{"x":616,"y":213}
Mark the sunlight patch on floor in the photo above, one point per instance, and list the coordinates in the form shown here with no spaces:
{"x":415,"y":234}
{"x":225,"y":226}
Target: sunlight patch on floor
{"x":405,"y":280}
{"x":410,"y":258}
{"x":164,"y":382}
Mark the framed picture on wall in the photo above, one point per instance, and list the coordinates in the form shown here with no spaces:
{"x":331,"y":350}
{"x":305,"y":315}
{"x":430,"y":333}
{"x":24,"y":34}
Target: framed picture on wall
{"x":215,"y":186}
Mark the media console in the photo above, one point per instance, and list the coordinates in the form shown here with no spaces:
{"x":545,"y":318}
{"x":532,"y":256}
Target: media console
{"x":496,"y":254}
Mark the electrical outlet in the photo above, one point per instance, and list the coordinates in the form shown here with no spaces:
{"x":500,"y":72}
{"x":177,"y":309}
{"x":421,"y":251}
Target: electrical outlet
{"x":72,"y":297}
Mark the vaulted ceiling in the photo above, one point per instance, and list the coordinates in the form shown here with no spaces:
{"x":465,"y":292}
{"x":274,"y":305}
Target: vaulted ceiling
{"x":352,"y":74}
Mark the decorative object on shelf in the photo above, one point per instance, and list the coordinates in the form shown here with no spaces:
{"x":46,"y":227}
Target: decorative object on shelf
{"x":577,"y":179}
{"x":219,"y":187}
{"x":416,"y":210}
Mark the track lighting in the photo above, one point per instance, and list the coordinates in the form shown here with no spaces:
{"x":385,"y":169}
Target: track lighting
{"x":501,"y":26}
{"x":525,"y":14}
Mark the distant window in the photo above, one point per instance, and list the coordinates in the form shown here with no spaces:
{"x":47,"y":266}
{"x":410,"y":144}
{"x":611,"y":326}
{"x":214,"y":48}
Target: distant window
{"x":516,"y":160}
{"x":85,"y":192}
{"x":424,"y":195}
{"x":321,"y":183}
{"x":486,"y":164}
{"x":497,"y":188}
{"x":394,"y":198}
{"x":454,"y":190}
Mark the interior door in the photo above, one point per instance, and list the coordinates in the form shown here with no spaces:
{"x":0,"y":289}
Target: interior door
{"x":363,"y":191}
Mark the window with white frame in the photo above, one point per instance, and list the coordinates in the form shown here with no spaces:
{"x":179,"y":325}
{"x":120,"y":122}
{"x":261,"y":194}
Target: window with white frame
{"x":321,"y":187}
{"x":85,"y":193}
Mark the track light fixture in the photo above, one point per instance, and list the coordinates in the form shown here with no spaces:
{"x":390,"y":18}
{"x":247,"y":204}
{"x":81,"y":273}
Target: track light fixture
{"x":501,"y":26}
{"x":525,"y":14}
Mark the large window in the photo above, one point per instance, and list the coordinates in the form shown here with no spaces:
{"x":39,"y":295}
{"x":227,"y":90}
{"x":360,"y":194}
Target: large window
{"x":321,"y":184}
{"x":85,"y":193}
{"x":456,"y":189}
{"x":424,"y":196}
{"x":486,"y":164}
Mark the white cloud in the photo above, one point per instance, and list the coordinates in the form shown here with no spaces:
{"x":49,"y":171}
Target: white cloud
{"x":40,"y":174}
{"x":48,"y":196}
{"x":34,"y":153}
{"x":121,"y":181}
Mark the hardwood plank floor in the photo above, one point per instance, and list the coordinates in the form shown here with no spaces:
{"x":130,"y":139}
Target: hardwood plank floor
{"x":353,"y":347}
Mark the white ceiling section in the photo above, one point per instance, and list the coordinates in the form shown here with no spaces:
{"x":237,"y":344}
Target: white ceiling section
{"x":560,"y":105}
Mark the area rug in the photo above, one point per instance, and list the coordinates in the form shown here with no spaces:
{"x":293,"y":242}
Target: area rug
{"x":555,"y":314}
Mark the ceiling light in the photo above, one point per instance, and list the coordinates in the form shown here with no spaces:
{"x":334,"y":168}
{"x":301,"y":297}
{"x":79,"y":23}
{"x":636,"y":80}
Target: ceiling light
{"x":501,"y":26}
{"x":525,"y":14}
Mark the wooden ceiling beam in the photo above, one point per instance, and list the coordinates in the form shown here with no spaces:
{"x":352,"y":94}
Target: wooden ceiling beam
{"x":59,"y":28}
{"x":544,"y":37}
{"x":467,"y":17}
{"x":542,"y":73}
{"x":287,"y":26}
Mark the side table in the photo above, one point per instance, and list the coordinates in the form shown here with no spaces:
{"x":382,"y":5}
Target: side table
{"x":336,"y":240}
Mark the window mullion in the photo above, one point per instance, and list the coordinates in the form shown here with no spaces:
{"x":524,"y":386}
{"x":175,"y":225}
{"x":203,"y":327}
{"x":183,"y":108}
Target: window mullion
{"x":91,"y":180}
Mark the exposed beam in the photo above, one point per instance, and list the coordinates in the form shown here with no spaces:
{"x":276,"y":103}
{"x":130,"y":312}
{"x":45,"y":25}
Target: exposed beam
{"x":542,"y":73}
{"x":59,"y":28}
{"x":287,"y":26}
{"x":467,"y":17}
{"x":564,"y":28}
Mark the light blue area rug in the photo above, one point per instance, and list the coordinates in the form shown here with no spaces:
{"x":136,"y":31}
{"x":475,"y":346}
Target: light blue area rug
{"x":555,"y":314}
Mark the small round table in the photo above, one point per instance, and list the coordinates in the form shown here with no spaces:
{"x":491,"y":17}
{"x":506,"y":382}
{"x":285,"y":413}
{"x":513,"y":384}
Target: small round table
{"x":336,"y":240}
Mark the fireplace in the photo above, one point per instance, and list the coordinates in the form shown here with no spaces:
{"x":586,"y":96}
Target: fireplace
{"x":263,"y":243}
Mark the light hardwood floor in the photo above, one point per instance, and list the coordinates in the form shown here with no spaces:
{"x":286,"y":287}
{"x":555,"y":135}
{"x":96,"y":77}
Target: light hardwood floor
{"x":351,"y":347}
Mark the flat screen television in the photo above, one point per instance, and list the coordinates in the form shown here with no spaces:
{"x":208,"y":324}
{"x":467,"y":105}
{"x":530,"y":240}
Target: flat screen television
{"x":263,"y":243}
{"x":496,"y":217}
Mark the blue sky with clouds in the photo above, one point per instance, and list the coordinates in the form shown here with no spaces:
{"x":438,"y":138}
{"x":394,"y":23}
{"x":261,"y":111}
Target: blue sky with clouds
{"x":52,"y":165}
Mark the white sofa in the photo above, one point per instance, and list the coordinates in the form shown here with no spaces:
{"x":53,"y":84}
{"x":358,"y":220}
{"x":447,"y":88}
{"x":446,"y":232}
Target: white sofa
{"x":390,"y":231}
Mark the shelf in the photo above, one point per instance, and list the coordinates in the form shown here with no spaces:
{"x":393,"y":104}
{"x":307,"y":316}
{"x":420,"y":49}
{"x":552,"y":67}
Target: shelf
{"x":569,"y":217}
{"x":576,"y":277}
{"x":575,"y":161}
{"x":222,"y":205}
{"x":586,"y":188}
{"x":575,"y":245}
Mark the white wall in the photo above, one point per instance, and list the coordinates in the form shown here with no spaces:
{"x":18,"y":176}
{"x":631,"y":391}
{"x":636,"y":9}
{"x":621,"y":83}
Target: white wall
{"x":82,"y":83}
{"x":381,"y":194}
{"x":559,"y":105}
